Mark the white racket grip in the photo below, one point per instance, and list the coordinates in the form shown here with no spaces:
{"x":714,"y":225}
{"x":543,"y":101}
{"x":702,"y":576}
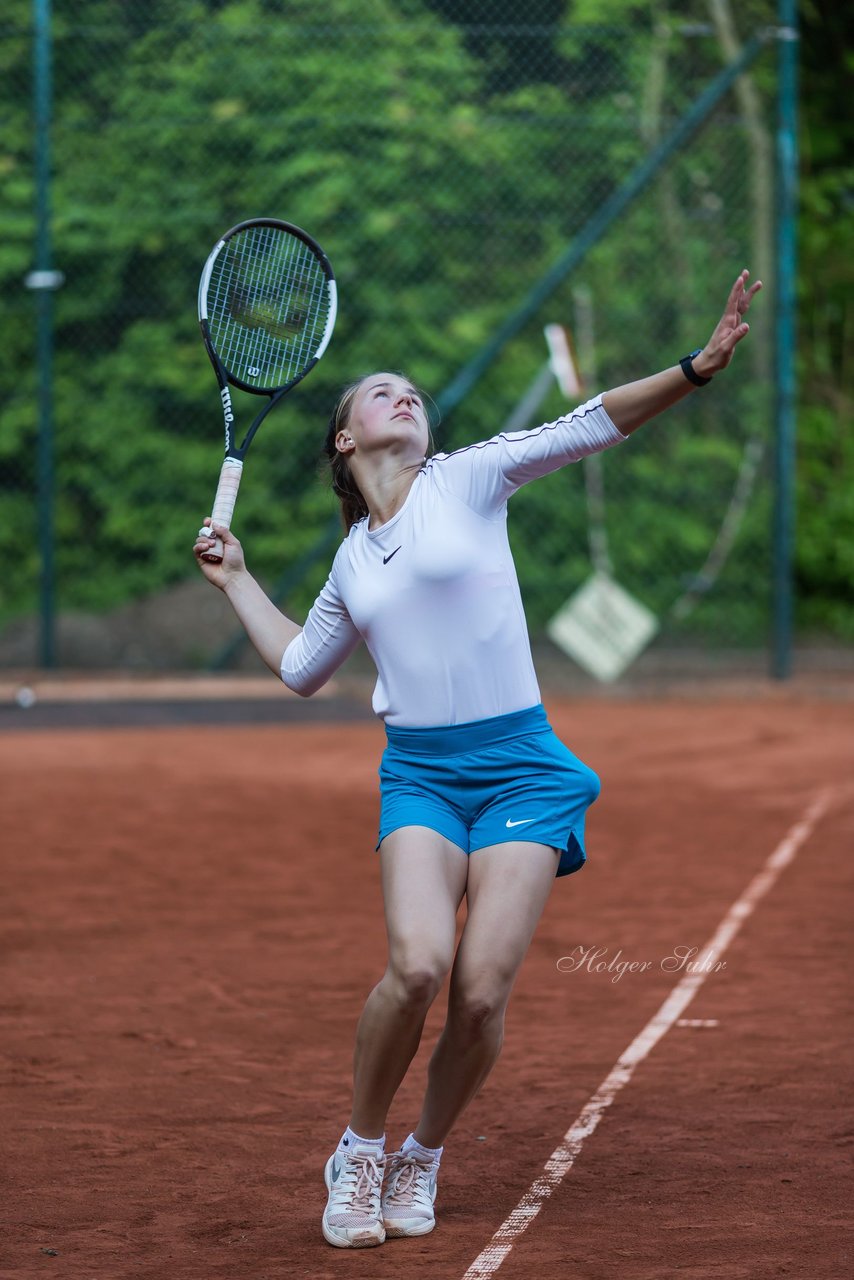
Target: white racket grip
{"x":223,"y":507}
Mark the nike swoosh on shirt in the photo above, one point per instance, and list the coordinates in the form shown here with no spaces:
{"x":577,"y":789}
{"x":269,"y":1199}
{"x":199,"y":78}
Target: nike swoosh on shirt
{"x":394,"y":553}
{"x":520,"y":823}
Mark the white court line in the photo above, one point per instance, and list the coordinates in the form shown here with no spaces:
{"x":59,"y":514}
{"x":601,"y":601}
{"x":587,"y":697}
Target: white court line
{"x":562,"y":1159}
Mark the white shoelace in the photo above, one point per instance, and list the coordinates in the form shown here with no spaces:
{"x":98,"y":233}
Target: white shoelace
{"x":366,"y":1178}
{"x":408,"y":1187}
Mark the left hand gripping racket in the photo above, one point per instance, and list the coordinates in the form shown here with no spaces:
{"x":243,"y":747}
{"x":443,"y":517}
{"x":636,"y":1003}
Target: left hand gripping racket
{"x":267,"y":307}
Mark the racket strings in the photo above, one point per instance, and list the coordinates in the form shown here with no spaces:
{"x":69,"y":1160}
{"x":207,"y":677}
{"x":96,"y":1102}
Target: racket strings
{"x":301,"y":283}
{"x":261,"y":299}
{"x":268,"y":306}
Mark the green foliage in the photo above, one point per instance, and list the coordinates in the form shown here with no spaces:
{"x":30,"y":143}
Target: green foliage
{"x":444,"y":155}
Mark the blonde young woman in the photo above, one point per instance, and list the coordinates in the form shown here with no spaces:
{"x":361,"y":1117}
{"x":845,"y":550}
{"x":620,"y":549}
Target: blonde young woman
{"x":479,"y":798}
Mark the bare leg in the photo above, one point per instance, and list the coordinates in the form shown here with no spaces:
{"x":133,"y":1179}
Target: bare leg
{"x":508,"y":887}
{"x":423,"y":879}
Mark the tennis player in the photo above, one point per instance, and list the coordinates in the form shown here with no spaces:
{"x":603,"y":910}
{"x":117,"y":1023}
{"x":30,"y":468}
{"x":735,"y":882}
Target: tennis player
{"x":478,"y":796}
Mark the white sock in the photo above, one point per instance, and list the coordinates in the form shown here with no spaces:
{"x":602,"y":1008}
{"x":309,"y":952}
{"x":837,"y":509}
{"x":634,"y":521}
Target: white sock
{"x":429,"y":1153}
{"x":349,"y":1139}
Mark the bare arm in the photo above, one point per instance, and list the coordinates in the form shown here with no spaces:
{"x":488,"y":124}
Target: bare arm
{"x":630,"y":406}
{"x":268,"y":629}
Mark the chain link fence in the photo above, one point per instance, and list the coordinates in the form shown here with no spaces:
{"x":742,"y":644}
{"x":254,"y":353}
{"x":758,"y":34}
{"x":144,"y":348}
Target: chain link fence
{"x":445,"y":155}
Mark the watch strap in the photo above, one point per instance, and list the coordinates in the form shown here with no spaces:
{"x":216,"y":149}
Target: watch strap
{"x":690,"y":372}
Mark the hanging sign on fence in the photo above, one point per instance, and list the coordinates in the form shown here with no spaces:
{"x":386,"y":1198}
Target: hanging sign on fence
{"x":602,"y":627}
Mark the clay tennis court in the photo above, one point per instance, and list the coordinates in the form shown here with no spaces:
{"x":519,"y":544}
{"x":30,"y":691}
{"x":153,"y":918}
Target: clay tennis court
{"x":191,"y":921}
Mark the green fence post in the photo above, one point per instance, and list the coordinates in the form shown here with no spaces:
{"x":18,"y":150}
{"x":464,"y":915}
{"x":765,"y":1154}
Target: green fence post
{"x":43,"y":279}
{"x":785,"y":352}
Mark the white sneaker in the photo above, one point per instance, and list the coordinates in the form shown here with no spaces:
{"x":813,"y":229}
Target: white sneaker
{"x":352,"y":1218}
{"x":409,"y":1194}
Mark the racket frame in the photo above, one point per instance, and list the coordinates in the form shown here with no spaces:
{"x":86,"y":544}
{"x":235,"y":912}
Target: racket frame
{"x":232,"y":467}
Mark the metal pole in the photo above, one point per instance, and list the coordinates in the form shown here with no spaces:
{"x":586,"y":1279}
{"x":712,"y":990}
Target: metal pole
{"x":44,"y":280}
{"x":785,"y":380}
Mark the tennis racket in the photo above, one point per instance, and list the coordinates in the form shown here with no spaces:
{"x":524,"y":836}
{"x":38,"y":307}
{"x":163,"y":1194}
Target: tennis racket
{"x":267,"y":307}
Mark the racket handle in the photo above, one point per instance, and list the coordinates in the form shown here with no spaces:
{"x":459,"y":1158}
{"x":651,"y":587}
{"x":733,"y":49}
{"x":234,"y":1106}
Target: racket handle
{"x":223,"y":507}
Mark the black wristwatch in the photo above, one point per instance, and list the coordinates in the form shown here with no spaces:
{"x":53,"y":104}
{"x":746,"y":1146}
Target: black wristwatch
{"x":690,"y":372}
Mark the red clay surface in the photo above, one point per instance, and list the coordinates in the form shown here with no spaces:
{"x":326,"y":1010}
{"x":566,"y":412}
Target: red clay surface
{"x":191,"y":922}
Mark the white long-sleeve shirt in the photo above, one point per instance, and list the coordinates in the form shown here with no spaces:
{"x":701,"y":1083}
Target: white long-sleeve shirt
{"x":433,"y":592}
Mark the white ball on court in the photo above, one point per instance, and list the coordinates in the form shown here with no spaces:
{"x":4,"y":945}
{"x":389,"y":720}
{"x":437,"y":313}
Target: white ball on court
{"x":25,"y":697}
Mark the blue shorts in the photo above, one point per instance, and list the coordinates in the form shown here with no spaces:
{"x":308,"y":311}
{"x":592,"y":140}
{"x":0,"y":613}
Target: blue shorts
{"x":488,"y":782}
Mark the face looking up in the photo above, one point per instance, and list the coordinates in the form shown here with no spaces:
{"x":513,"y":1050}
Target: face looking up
{"x":386,"y":411}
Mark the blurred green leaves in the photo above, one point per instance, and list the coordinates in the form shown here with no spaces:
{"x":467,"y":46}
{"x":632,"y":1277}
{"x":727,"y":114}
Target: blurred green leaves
{"x":444,"y":159}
